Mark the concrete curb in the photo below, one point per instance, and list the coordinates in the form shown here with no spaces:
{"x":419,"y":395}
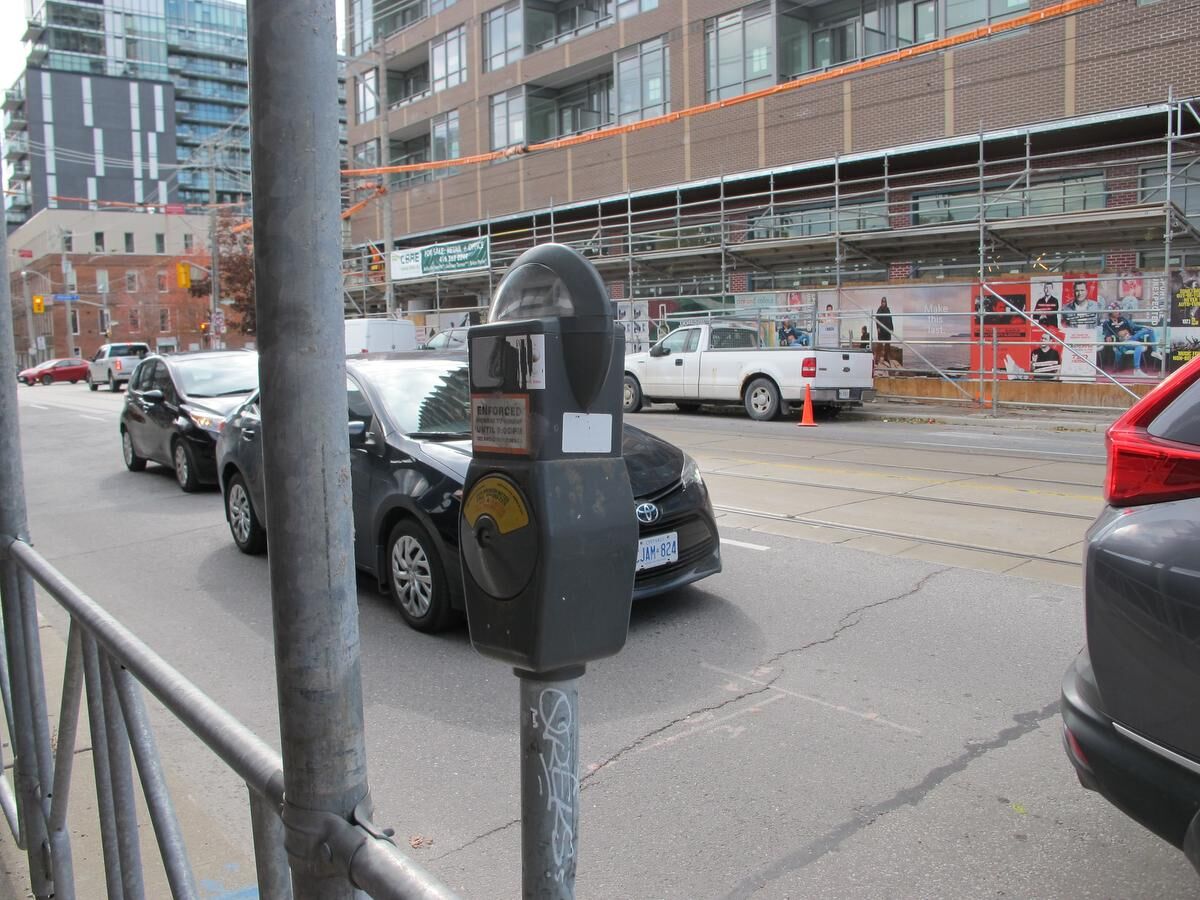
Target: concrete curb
{"x":1026,"y":420}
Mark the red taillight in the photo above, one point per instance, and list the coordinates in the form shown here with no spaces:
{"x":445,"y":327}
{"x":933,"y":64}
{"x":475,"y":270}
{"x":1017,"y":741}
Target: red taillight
{"x":808,"y":368}
{"x":1143,"y":468}
{"x":1076,"y":750}
{"x":117,"y":365}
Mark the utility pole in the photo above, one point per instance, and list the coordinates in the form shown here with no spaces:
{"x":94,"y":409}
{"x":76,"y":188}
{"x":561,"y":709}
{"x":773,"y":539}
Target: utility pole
{"x":302,"y":363}
{"x":33,"y":360}
{"x":214,"y":277}
{"x":385,"y":156}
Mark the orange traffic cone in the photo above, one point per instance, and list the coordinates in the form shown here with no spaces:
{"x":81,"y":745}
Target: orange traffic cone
{"x":806,"y":420}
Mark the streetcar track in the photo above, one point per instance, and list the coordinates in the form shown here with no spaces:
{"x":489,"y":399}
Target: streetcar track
{"x":902,"y":494}
{"x":1014,"y":475}
{"x":883,"y":532}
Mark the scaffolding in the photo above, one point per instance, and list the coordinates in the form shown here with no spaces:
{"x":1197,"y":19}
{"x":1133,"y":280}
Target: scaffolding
{"x":1107,"y":193}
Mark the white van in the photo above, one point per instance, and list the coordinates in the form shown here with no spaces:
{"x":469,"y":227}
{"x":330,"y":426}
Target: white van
{"x":379,"y":336}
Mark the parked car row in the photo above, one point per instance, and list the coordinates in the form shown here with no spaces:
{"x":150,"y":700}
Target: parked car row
{"x":112,"y":365}
{"x":408,"y":419}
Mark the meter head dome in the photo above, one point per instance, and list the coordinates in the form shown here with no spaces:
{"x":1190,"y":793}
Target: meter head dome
{"x":551,"y":281}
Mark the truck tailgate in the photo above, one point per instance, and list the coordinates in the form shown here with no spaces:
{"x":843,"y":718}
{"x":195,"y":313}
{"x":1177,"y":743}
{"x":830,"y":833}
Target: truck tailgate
{"x":844,"y":369}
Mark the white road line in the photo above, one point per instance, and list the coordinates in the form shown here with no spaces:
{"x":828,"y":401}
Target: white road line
{"x":38,"y":406}
{"x":837,"y":707}
{"x":1091,"y":456}
{"x":93,"y":418}
{"x":744,"y":545}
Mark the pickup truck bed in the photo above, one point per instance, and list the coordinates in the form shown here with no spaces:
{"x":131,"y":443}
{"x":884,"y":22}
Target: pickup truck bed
{"x":726,"y":364}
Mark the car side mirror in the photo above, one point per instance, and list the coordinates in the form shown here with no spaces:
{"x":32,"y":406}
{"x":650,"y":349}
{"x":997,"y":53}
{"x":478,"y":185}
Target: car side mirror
{"x":154,"y":396}
{"x":659,"y":351}
{"x":358,"y":433}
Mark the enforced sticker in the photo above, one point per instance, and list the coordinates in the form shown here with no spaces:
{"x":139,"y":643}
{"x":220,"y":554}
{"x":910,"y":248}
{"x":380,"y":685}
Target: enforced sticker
{"x":500,"y":423}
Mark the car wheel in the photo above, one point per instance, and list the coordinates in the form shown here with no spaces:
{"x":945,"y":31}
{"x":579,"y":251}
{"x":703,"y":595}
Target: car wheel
{"x":247,"y":531}
{"x":112,"y":385}
{"x":92,"y":386}
{"x":74,"y":381}
{"x":762,"y":399}
{"x":47,"y":380}
{"x":185,"y":467}
{"x":631,"y":400}
{"x":133,"y":462}
{"x":416,"y":578}
{"x":687,"y":407}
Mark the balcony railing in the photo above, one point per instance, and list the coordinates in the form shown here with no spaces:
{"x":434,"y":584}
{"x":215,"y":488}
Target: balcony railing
{"x":14,"y":99}
{"x":16,"y":147}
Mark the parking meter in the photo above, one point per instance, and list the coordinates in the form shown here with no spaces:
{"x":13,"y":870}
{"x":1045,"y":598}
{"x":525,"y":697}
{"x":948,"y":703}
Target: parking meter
{"x":547,"y":530}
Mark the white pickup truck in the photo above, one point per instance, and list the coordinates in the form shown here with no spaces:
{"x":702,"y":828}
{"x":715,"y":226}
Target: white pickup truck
{"x":726,"y":363}
{"x":113,"y":364}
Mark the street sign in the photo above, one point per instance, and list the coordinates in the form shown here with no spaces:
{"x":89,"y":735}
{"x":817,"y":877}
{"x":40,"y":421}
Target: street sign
{"x":66,"y":298}
{"x":25,"y":254}
{"x":218,"y":321}
{"x":41,"y":342}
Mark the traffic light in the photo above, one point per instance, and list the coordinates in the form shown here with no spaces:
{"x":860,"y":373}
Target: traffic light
{"x":39,"y":304}
{"x":183,"y":274}
{"x":204,"y":328}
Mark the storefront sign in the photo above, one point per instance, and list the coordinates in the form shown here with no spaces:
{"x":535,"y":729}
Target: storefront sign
{"x":440,"y":259}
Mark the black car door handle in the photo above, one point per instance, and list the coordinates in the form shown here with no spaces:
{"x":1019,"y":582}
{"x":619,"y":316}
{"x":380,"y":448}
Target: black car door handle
{"x":679,"y":362}
{"x":248,"y":434}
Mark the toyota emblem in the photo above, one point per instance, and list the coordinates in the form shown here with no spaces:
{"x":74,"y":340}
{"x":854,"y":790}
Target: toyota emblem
{"x":647,"y":513}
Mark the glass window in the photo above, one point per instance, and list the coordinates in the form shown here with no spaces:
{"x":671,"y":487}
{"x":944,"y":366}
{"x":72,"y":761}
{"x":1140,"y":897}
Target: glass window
{"x":508,"y":118}
{"x":187,"y":241}
{"x":643,"y":81}
{"x":101,"y":281}
{"x":163,"y":282}
{"x":627,"y":8}
{"x":135,"y":319}
{"x":503,"y":36}
{"x":67,"y":242}
{"x":131,"y":281}
{"x":739,"y":48}
{"x":444,"y":135}
{"x":427,"y":396}
{"x":129,"y":242}
{"x":164,"y":320}
{"x":366,"y":96}
{"x":677,"y":341}
{"x":916,"y":22}
{"x":448,"y":57}
{"x":160,"y":243}
{"x":161,"y":381}
{"x":357,"y":405}
{"x":1185,"y":185}
{"x":98,"y":241}
{"x":366,"y":154}
{"x":235,"y":373}
{"x":962,"y":14}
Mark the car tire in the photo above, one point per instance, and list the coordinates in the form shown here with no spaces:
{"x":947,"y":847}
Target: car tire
{"x":92,"y":386}
{"x":74,"y":381}
{"x":631,"y":398}
{"x":133,"y":462}
{"x":184,"y":463}
{"x":247,"y":531}
{"x":687,"y":407}
{"x":47,"y":380}
{"x":112,"y":384}
{"x":416,"y":578}
{"x":762,"y":400}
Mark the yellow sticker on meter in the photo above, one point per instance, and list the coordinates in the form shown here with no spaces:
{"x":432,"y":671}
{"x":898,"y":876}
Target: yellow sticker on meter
{"x":498,"y":498}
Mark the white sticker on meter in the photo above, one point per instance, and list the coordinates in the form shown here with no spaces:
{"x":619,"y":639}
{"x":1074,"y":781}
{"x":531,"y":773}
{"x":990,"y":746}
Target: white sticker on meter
{"x":587,"y":433}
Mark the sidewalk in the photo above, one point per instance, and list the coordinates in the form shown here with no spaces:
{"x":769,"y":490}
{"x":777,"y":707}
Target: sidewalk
{"x":1028,"y":418}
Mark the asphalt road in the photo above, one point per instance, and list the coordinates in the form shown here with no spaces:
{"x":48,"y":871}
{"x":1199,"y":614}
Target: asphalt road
{"x":838,"y":714}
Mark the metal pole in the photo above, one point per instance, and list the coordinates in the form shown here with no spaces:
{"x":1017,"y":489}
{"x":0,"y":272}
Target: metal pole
{"x":297,"y":245}
{"x":68,"y":726}
{"x":15,"y":590}
{"x":104,"y":797}
{"x":215,"y":250}
{"x":270,"y":858}
{"x":31,"y":339}
{"x":383,"y":130}
{"x":121,"y":779}
{"x":995,"y":371}
{"x":549,"y":786}
{"x":171,"y":845}
{"x":982,"y":273}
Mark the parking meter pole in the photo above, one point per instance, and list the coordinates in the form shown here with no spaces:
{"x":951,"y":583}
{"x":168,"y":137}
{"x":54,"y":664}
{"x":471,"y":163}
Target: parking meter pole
{"x":297,"y":251}
{"x":549,"y":784}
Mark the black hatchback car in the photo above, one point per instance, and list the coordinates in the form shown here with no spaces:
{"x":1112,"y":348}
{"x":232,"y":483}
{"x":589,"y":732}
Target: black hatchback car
{"x":175,"y":406}
{"x":409,"y":423}
{"x":1131,"y":698}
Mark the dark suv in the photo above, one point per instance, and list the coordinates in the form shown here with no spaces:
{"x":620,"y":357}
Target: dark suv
{"x":1131,"y":699}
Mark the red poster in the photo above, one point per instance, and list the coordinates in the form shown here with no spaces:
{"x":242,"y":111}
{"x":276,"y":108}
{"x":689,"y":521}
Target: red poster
{"x":1005,"y":327}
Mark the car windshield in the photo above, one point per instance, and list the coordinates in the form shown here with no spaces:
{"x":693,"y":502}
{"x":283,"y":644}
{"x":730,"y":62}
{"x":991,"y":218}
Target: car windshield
{"x":217,"y":376}
{"x":422,"y":397}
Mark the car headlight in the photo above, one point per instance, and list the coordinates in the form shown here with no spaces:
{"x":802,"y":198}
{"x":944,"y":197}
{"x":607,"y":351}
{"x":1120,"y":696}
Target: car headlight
{"x":212,"y":424}
{"x":691,"y":472}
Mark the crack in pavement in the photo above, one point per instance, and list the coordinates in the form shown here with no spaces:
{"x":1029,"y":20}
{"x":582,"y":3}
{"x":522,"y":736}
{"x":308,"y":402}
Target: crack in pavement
{"x":851,"y":619}
{"x":848,"y":621}
{"x":833,"y":839}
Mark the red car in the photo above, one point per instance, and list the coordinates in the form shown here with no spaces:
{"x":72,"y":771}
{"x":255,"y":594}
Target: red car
{"x":53,"y":370}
